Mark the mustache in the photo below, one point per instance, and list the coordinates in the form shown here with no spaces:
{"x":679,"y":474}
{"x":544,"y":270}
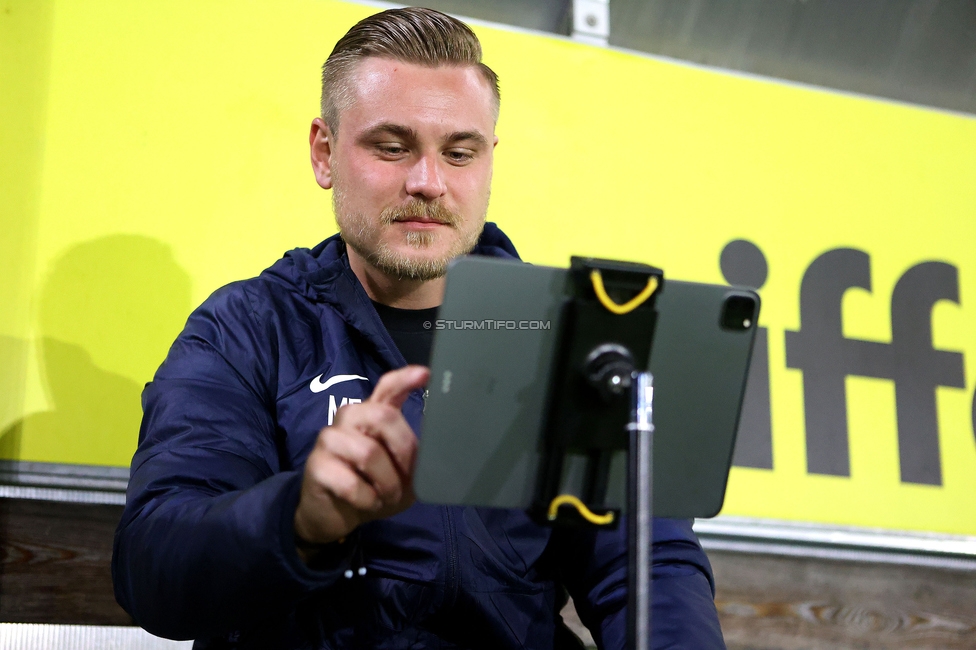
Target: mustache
{"x":433,"y":211}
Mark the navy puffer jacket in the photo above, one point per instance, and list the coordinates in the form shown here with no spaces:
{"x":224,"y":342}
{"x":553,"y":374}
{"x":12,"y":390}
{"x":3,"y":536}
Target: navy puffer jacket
{"x":205,"y":548}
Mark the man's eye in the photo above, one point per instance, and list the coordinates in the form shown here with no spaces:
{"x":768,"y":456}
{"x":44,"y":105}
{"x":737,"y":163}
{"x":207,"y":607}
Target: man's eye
{"x":391,"y":149}
{"x":459,"y":157}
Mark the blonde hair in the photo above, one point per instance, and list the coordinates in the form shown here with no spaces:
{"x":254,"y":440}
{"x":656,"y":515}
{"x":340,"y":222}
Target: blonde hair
{"x":412,"y":35}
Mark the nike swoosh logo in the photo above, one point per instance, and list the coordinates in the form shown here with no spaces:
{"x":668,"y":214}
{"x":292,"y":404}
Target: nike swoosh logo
{"x":318,"y":385}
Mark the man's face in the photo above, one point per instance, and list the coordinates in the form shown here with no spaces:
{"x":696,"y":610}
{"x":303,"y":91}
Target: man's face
{"x":411,"y":167}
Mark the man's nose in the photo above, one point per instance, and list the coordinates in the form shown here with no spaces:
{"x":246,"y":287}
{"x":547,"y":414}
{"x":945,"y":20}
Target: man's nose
{"x":426,"y":179}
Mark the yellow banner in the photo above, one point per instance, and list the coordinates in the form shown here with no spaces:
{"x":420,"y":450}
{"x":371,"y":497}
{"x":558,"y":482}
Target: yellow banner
{"x":161,"y":151}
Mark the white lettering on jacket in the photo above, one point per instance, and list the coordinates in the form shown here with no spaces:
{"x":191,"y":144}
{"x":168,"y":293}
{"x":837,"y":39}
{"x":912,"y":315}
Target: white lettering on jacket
{"x":333,"y":407}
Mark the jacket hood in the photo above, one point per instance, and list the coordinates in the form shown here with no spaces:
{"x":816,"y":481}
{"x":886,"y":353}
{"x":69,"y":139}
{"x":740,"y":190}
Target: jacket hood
{"x":314,"y":272}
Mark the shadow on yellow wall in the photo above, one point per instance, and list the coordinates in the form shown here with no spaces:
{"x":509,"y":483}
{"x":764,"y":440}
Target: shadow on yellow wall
{"x":108,"y":311}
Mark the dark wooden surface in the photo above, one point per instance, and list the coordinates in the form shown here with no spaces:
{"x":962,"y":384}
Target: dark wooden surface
{"x":55,"y":568}
{"x":55,"y":563}
{"x":768,"y":602}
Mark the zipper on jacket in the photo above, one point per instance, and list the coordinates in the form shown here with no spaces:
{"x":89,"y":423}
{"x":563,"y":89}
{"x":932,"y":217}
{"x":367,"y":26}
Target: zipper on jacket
{"x":453,"y":582}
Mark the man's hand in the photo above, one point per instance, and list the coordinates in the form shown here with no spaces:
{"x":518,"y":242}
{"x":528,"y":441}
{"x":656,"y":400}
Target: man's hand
{"x":362,"y":466}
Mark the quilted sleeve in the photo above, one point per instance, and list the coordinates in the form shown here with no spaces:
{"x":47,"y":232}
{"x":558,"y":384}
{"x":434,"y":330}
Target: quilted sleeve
{"x":205,"y":545}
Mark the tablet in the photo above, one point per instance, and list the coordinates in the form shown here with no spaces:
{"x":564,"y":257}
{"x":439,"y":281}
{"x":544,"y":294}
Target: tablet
{"x":491,"y":368}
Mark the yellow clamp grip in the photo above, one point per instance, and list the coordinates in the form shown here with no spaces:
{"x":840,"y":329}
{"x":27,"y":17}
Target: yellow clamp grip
{"x":586,"y":513}
{"x":630,"y":305}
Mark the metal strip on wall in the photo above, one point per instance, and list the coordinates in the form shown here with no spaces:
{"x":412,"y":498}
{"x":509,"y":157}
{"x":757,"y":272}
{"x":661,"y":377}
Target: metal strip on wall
{"x":85,"y":477}
{"x":35,"y":636}
{"x":63,"y":482}
{"x":798,"y":539}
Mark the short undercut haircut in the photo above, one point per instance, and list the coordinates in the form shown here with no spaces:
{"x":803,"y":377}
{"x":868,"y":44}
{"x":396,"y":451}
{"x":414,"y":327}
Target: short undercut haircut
{"x":413,"y":35}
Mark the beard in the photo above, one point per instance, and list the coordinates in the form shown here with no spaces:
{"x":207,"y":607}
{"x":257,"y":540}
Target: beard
{"x":363,"y":235}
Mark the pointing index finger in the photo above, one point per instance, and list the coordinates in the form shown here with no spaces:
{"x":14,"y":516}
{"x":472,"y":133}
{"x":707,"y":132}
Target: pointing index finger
{"x":395,"y":386}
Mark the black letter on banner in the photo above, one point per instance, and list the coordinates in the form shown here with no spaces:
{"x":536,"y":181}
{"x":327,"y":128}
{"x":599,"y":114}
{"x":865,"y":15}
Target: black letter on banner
{"x":919,"y":368}
{"x":743,"y":263}
{"x":820,"y":350}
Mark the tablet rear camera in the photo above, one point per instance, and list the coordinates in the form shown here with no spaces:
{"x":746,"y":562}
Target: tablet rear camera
{"x":738,"y":312}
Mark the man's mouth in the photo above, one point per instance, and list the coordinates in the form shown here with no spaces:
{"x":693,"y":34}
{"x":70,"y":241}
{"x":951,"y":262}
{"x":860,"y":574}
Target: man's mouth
{"x":421,"y":214}
{"x":429,"y":220}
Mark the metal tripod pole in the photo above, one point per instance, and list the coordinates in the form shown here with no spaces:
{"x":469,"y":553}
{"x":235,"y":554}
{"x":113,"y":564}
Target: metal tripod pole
{"x":639,"y":484}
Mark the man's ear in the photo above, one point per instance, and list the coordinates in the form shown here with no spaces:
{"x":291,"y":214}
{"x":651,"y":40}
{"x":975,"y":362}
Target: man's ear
{"x":320,"y":142}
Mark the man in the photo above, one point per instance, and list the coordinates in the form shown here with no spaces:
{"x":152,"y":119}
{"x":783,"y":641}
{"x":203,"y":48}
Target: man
{"x":270,"y":503}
